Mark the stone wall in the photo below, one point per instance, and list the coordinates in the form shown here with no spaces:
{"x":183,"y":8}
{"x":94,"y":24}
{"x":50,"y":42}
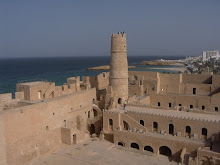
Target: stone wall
{"x":34,"y":130}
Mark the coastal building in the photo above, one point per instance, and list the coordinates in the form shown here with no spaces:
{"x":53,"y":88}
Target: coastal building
{"x":176,"y":115}
{"x":206,"y":55}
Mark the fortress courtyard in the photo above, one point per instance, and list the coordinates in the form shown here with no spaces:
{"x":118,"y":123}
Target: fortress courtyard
{"x":96,"y":152}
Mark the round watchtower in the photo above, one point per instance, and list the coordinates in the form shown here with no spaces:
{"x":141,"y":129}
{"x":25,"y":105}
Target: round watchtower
{"x":119,"y":66}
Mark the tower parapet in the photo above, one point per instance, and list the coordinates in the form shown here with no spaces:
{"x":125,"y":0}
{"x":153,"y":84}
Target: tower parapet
{"x":119,"y":67}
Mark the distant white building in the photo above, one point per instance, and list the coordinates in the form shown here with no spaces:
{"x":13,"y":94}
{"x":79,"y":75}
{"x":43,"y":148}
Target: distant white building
{"x":207,"y":54}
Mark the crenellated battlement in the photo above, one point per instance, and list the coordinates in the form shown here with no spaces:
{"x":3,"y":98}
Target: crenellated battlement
{"x":186,"y":116}
{"x":120,"y":34}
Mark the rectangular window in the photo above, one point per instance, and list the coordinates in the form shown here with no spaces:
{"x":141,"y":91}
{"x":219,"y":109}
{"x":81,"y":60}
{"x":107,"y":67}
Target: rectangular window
{"x":158,"y":104}
{"x":194,"y":91}
{"x":170,"y":104}
{"x":216,"y":109}
{"x":191,"y":106}
{"x":203,"y":107}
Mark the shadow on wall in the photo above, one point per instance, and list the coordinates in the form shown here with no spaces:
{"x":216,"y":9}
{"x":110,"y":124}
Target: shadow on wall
{"x":208,"y":81}
{"x":109,"y":137}
{"x":215,"y":91}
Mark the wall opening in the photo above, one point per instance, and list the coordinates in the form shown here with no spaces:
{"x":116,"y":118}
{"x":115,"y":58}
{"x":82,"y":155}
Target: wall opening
{"x":135,"y":77}
{"x":135,"y":145}
{"x":120,"y":144}
{"x":126,"y":126}
{"x":188,"y":131}
{"x":74,"y":138}
{"x":194,"y":91}
{"x":119,"y":101}
{"x":92,"y":129}
{"x":171,"y":129}
{"x":140,"y":82}
{"x":170,"y":105}
{"x":148,"y":148}
{"x":47,"y":128}
{"x":204,"y":133}
{"x":64,"y":123}
{"x":158,"y":104}
{"x":191,"y":106}
{"x":110,"y":123}
{"x":155,"y":127}
{"x":88,"y":114}
{"x":40,"y":94}
{"x":142,"y":122}
{"x":203,"y":107}
{"x":216,"y":109}
{"x":164,"y":150}
{"x":103,"y":74}
{"x":95,"y":113}
{"x":180,"y":105}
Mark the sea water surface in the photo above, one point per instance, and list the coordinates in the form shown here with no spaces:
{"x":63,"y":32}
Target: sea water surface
{"x":58,"y":69}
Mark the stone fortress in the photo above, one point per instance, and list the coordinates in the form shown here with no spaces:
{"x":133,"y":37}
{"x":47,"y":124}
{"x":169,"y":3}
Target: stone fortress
{"x":176,"y":115}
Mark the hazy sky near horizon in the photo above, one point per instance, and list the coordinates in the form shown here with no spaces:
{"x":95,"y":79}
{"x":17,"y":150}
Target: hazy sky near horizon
{"x":83,"y":28}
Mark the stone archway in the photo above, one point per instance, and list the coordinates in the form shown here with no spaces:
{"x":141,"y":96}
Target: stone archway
{"x":135,"y":145}
{"x":119,"y":101}
{"x":148,"y":148}
{"x":92,"y":129}
{"x":171,"y":129}
{"x":120,"y":144}
{"x":164,"y":150}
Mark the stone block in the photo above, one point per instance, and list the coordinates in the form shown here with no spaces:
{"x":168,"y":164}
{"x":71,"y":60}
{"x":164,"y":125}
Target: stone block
{"x":178,"y":133}
{"x":134,"y":130}
{"x":141,"y":130}
{"x":195,"y":136}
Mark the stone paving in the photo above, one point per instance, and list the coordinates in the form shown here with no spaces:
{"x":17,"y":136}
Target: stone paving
{"x":95,"y":152}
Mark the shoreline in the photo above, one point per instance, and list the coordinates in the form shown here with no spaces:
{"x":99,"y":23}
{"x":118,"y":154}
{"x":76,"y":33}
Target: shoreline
{"x":181,"y":69}
{"x":106,"y":67}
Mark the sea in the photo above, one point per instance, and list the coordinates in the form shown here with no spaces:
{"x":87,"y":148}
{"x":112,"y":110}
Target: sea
{"x":58,"y":69}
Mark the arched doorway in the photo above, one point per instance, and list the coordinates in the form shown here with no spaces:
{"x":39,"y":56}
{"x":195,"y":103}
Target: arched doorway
{"x":92,"y":129}
{"x":204,"y":133}
{"x":188,"y":131}
{"x":142,"y":122}
{"x":155,"y":127}
{"x":135,"y":145}
{"x":171,"y":129}
{"x":95,"y":113}
{"x":120,"y":144}
{"x":164,"y":150}
{"x":126,"y":126}
{"x":119,"y":101}
{"x":148,"y":148}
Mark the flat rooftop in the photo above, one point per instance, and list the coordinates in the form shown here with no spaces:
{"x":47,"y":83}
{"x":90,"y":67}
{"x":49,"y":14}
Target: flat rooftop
{"x":100,"y":153}
{"x":170,"y":113}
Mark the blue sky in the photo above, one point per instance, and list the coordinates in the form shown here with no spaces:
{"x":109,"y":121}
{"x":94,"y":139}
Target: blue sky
{"x":50,"y":28}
